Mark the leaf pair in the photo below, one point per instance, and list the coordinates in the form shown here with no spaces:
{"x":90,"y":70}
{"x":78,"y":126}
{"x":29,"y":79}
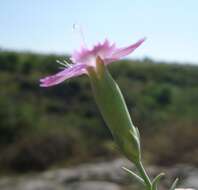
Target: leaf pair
{"x":155,"y":181}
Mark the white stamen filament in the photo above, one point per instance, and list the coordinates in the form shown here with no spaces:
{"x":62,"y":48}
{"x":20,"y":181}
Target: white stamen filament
{"x":64,"y":63}
{"x":79,"y":29}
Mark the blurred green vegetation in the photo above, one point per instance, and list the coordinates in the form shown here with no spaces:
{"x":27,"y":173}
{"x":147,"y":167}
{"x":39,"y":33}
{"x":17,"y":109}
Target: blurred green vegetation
{"x":44,"y":127}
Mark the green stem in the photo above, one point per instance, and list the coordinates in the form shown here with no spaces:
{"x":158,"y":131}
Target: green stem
{"x":144,"y":175}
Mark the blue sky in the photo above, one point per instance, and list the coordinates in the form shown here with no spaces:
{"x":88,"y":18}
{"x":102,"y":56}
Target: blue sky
{"x":171,"y":26}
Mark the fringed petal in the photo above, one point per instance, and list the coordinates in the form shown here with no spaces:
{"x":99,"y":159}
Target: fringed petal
{"x":73,"y":71}
{"x":121,"y":52}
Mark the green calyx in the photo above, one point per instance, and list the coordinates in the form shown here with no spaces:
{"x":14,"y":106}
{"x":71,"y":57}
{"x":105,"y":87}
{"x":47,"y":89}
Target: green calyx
{"x":114,"y":111}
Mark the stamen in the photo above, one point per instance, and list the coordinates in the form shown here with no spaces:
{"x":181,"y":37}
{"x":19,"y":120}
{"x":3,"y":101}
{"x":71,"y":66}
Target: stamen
{"x":67,"y":63}
{"x":61,"y":63}
{"x":64,"y":63}
{"x":79,"y":29}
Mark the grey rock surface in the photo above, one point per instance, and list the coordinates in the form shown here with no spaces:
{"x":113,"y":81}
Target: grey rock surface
{"x":93,"y":185}
{"x":191,"y":181}
{"x":98,"y":176}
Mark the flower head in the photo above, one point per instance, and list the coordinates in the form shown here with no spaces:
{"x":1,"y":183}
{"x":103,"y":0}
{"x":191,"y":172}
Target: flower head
{"x":86,"y":58}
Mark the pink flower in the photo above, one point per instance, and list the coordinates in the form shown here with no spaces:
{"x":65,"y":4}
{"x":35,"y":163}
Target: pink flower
{"x":87,"y":58}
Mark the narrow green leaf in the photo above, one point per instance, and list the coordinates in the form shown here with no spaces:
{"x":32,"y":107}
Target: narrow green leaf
{"x":174,"y":184}
{"x":156,"y":180}
{"x":137,"y":177}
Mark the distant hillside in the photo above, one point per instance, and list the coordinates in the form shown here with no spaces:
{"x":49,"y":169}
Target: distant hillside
{"x":61,"y":125}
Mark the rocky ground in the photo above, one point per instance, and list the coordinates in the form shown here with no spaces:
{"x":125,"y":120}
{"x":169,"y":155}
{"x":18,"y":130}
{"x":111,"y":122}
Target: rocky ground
{"x":98,"y":176}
